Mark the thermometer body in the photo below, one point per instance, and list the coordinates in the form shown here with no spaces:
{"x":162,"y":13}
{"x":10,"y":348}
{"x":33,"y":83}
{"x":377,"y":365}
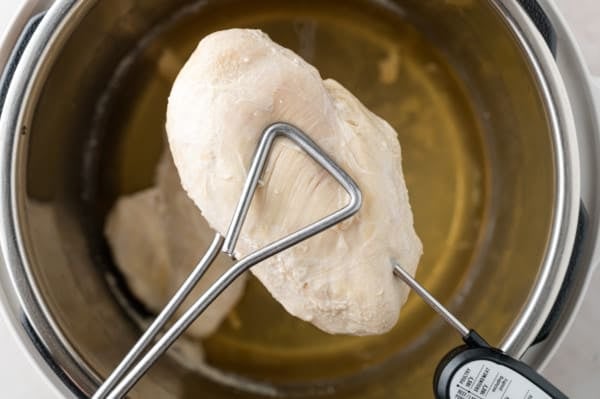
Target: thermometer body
{"x":469,"y":372}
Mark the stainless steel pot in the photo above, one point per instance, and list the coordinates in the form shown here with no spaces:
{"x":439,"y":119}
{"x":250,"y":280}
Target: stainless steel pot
{"x":518,"y":282}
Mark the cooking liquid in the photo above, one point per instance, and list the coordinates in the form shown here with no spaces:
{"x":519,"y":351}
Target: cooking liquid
{"x":397,"y":74}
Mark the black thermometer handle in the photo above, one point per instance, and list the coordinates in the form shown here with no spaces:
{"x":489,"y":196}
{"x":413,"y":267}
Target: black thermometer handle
{"x":479,"y":371}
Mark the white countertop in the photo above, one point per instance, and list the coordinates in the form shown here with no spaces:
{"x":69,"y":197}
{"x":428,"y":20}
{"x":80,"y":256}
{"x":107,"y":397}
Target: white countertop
{"x":576,"y":366}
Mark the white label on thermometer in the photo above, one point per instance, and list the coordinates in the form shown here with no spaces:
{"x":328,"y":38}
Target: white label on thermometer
{"x":484,"y":379}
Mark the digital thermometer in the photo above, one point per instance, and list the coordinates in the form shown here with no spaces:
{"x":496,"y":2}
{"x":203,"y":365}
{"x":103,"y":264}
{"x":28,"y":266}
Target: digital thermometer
{"x":477,"y":370}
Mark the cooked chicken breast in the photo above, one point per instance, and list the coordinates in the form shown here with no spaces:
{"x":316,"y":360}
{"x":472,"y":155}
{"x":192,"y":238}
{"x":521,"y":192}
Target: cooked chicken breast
{"x":157,"y":236}
{"x":234,"y":85}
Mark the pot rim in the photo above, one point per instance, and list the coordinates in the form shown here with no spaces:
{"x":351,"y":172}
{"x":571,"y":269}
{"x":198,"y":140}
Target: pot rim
{"x":567,"y":180}
{"x":35,"y":325}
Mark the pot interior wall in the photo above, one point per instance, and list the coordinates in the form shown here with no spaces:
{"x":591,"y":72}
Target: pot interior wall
{"x":477,"y":155}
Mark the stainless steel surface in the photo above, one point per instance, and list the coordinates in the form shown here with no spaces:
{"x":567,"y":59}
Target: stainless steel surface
{"x":62,"y":340}
{"x":568,"y":196}
{"x":27,"y":313}
{"x":128,"y":380}
{"x":430,"y":300}
{"x":9,"y":35}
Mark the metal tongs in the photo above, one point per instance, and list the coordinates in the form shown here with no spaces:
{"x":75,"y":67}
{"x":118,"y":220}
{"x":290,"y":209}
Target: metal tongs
{"x":148,"y":348}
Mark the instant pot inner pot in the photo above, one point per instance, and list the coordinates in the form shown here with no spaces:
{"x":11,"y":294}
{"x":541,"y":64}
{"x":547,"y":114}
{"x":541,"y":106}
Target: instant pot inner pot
{"x":477,"y":155}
